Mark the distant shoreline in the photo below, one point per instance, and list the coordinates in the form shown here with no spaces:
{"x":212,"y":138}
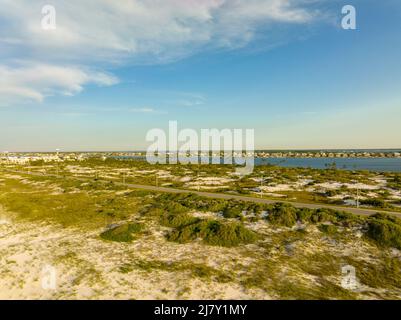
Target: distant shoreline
{"x":336,"y":150}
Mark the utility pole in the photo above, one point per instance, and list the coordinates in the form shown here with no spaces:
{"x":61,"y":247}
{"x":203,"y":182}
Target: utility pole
{"x":261,"y":185}
{"x":57,"y":153}
{"x":198,"y":179}
{"x":357,"y":197}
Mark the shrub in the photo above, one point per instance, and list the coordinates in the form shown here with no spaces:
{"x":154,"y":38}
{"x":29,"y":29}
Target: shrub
{"x":344,"y":216}
{"x":385,"y":216}
{"x":232,"y":212}
{"x":322,"y":215}
{"x":187,"y":233}
{"x":226,"y":234}
{"x":282,"y":214}
{"x":176,"y":220}
{"x":378,"y":203}
{"x":122,"y":233}
{"x":385,"y":231}
{"x":174,"y":207}
{"x":304,"y":214}
{"x":328,"y":229}
{"x":214,"y":232}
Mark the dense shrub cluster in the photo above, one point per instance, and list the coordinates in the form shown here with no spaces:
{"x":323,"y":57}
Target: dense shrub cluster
{"x":229,"y":208}
{"x":175,"y":220}
{"x":122,"y":233}
{"x":395,"y":182}
{"x":173,"y":210}
{"x":214,"y":232}
{"x":328,"y":229}
{"x":378,"y":203}
{"x":284,"y":214}
{"x":385,"y":230}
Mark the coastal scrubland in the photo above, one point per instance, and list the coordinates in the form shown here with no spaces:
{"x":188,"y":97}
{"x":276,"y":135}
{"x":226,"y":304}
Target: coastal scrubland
{"x":376,"y":190}
{"x":110,"y":241}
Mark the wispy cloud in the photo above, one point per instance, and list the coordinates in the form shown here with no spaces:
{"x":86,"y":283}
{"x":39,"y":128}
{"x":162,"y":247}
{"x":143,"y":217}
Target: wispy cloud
{"x":35,"y":81}
{"x":152,"y":30}
{"x":111,"y":33}
{"x":75,"y":114}
{"x":183,"y":99}
{"x":189,"y":103}
{"x":191,"y":100}
{"x":147,"y":110}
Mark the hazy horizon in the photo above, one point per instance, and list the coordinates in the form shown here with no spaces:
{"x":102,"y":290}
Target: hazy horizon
{"x":256,"y":150}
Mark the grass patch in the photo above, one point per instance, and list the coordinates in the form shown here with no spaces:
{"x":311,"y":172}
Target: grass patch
{"x":122,"y":233}
{"x":215,"y":233}
{"x":177,"y":220}
{"x":385,"y":230}
{"x":80,"y":209}
{"x":384,"y":274}
{"x":328,"y":229}
{"x":194,"y":269}
{"x":282,"y":214}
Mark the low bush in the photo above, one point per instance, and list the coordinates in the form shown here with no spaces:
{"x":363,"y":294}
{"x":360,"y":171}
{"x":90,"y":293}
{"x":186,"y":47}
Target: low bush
{"x":322,"y":215}
{"x":282,"y":214}
{"x":176,"y":220}
{"x":304,"y":214}
{"x":378,"y":203}
{"x":122,"y":233}
{"x":328,"y":229}
{"x":232,"y":212}
{"x":174,"y":207}
{"x":226,"y":234}
{"x":214,"y":232}
{"x":385,"y":230}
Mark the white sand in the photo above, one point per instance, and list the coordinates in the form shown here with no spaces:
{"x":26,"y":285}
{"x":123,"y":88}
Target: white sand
{"x":90,"y":267}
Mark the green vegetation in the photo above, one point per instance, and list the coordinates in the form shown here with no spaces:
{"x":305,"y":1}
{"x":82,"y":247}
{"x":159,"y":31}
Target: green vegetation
{"x":66,"y":203}
{"x":194,"y":269}
{"x":176,"y":220}
{"x":286,"y":215}
{"x":138,"y":171}
{"x":232,"y":212}
{"x":282,"y":214}
{"x":328,"y":229}
{"x":384,"y":273}
{"x":214,"y":233}
{"x":122,"y":233}
{"x":385,"y":230}
{"x":270,"y":276}
{"x":377,"y":202}
{"x":394,"y":181}
{"x":174,"y":212}
{"x":288,"y":258}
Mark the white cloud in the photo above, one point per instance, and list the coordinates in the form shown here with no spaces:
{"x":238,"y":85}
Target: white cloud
{"x":106,"y":33}
{"x":189,"y":103}
{"x":146,"y":110}
{"x":141,"y":30}
{"x":33,"y":81}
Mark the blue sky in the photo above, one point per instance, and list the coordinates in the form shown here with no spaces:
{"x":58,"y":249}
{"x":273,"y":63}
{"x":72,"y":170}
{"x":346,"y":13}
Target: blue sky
{"x":106,"y":76}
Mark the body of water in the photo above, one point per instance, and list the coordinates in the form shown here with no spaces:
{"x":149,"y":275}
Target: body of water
{"x":371,"y":164}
